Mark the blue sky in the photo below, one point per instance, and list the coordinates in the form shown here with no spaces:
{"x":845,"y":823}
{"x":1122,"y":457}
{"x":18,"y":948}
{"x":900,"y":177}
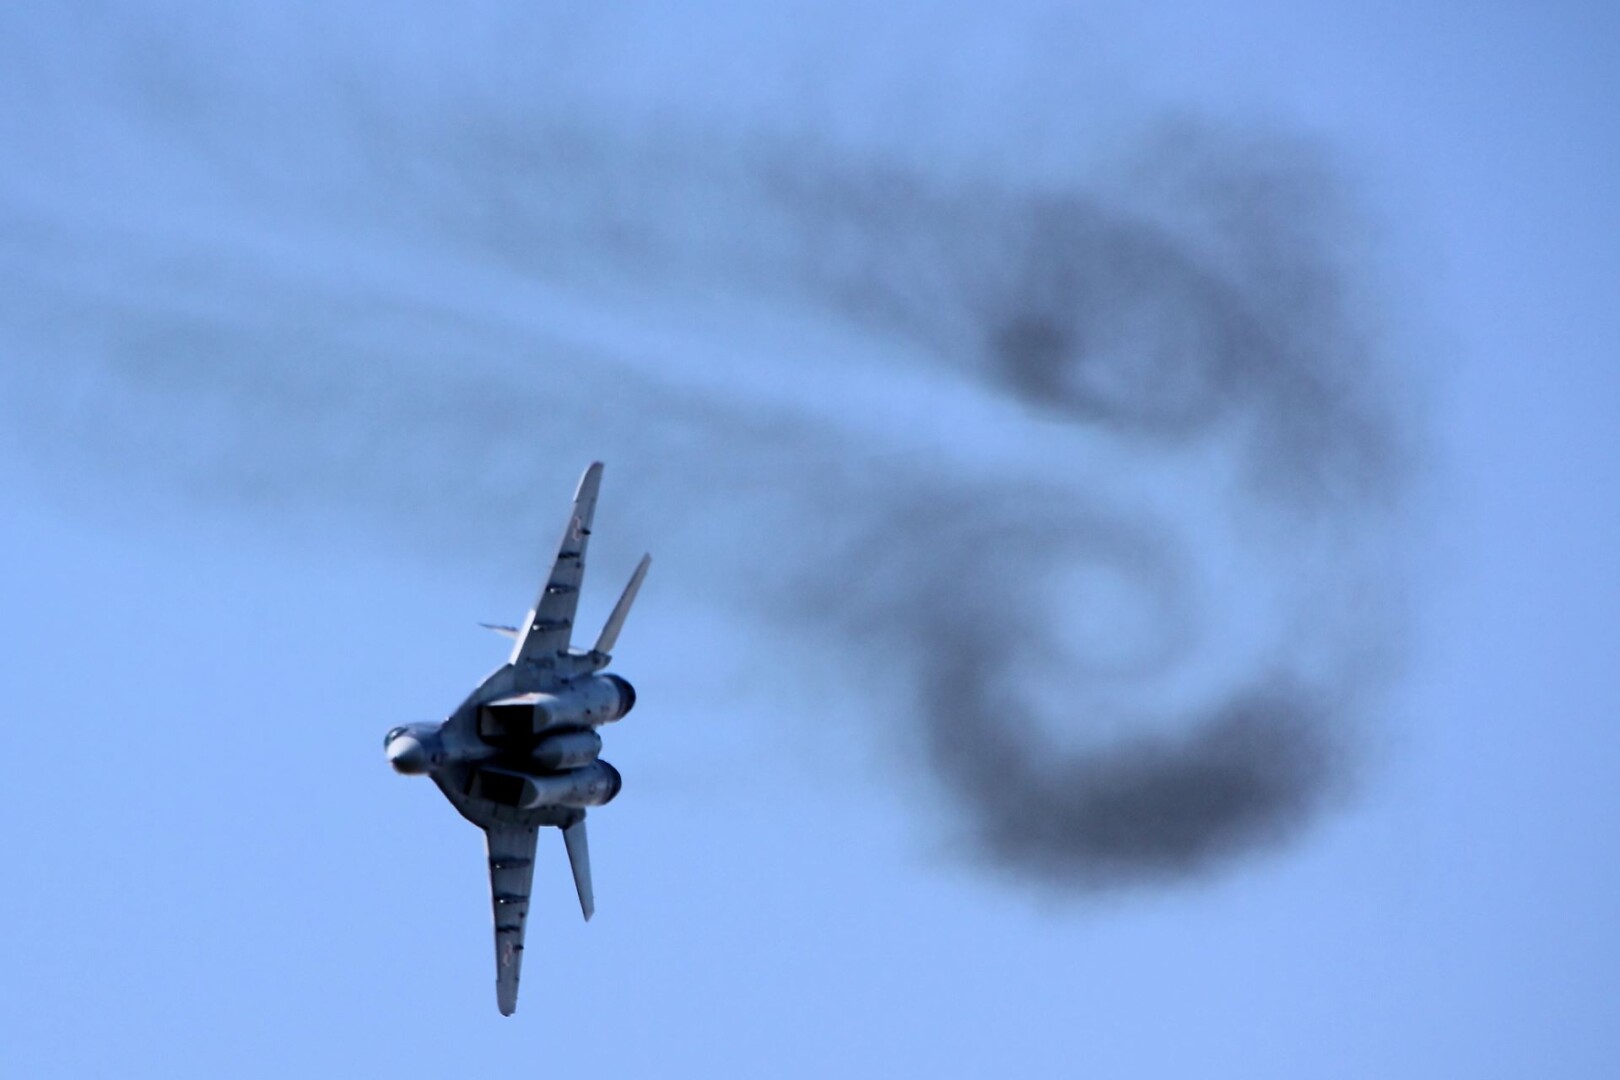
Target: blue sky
{"x":311,"y":317}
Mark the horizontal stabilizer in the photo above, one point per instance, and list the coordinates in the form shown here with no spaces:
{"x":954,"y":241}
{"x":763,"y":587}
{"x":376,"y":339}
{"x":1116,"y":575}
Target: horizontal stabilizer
{"x":504,"y":631}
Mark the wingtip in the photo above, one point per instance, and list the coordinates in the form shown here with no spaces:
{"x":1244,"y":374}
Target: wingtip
{"x":589,"y":481}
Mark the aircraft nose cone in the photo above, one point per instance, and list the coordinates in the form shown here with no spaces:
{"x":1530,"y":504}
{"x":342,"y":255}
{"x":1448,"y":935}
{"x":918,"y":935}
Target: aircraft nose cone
{"x":407,"y":755}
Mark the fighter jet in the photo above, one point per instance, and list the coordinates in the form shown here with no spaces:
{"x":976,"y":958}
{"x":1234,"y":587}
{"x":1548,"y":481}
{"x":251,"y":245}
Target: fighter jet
{"x":522,"y":751}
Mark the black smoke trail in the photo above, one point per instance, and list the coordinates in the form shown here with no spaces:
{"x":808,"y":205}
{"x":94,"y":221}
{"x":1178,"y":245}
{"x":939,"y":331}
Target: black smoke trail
{"x":346,"y":315}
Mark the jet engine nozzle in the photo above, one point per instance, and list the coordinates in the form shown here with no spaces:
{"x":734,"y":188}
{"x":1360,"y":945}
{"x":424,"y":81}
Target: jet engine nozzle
{"x":407,"y":755}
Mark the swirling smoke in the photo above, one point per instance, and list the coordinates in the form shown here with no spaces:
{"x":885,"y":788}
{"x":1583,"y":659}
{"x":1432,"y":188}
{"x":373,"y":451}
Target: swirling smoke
{"x":323,"y":289}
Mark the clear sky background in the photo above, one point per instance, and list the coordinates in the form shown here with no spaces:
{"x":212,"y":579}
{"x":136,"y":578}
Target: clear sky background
{"x":311,"y":314}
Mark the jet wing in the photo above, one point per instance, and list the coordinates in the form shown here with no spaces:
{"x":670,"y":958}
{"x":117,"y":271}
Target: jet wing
{"x":511,"y":872}
{"x":551,"y":621}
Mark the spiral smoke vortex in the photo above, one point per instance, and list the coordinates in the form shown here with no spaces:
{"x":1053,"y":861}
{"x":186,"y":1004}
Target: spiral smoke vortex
{"x":1228,"y":327}
{"x":256,"y":289}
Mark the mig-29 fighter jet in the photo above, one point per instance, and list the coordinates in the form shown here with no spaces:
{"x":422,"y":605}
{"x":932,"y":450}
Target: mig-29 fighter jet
{"x":521,"y":751}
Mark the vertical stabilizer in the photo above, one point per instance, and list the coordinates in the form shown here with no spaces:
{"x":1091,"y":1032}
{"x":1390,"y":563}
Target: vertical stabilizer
{"x":615,"y":623}
{"x":579,"y":859}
